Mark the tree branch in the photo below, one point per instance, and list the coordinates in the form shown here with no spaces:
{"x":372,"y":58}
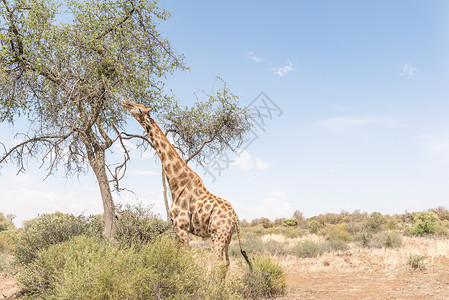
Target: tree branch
{"x":43,"y":139}
{"x":117,"y":25}
{"x":201,"y":148}
{"x":107,"y":140}
{"x":142,"y":24}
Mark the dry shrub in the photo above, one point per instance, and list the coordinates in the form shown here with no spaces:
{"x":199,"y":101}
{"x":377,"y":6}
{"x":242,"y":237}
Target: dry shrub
{"x":84,"y":268}
{"x":417,"y":262}
{"x":308,"y":249}
{"x":251,"y":243}
{"x":337,"y":232}
{"x":50,"y":229}
{"x":267,"y":279}
{"x":388,"y":239}
{"x":137,"y":225}
{"x":336,"y":245}
{"x":289,"y":232}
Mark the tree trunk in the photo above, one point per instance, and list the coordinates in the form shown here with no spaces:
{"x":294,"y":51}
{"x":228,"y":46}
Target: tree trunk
{"x":164,"y":184}
{"x":99,"y":168}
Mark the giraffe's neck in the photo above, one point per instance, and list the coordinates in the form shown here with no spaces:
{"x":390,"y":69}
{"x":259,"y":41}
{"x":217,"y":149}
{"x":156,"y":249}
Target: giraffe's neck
{"x":176,"y":170}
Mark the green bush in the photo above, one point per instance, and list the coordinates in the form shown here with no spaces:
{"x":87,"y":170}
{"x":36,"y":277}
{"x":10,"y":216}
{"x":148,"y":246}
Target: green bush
{"x":6,"y":222}
{"x":391,"y":224}
{"x":442,"y":227}
{"x":424,"y":223}
{"x":364,"y":238}
{"x":308,"y":249}
{"x":84,"y":268}
{"x":337,"y":232}
{"x":442,"y":212}
{"x":314,"y":226}
{"x":137,"y":225}
{"x":47,"y":230}
{"x":290,"y":222}
{"x":6,"y":262}
{"x":375,"y":221}
{"x":8,"y":240}
{"x":267,"y":279}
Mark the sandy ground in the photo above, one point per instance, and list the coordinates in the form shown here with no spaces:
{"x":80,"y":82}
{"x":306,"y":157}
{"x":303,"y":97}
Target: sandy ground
{"x":372,"y":273}
{"x":8,"y":287}
{"x":368,"y":282}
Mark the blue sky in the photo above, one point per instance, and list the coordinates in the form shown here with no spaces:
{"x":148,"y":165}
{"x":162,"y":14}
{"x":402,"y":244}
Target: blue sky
{"x":363,"y":89}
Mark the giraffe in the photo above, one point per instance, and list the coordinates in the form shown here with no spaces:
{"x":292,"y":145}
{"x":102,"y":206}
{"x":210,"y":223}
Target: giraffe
{"x":194,"y":209}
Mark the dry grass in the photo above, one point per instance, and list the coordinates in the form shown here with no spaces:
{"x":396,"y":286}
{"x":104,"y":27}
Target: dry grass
{"x":390,"y":261}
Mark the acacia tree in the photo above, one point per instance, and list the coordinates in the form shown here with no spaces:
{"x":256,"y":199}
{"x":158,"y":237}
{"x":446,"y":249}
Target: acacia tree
{"x":69,"y":78}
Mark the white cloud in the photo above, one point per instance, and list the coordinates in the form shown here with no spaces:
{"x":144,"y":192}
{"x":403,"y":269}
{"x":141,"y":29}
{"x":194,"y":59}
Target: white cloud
{"x":275,"y":205}
{"x":133,"y":151}
{"x":346,"y":122}
{"x":262,"y":165}
{"x":245,"y":162}
{"x":408,"y":71}
{"x":253,"y":57}
{"x":284,"y":70}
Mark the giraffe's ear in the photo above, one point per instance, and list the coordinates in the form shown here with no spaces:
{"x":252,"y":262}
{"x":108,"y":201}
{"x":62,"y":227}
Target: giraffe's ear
{"x":147,"y":110}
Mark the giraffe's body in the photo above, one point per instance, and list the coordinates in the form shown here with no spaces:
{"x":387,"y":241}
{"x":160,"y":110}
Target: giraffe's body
{"x":194,"y":209}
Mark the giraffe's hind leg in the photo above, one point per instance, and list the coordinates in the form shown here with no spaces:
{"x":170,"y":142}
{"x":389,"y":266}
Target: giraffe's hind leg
{"x":221,"y":241}
{"x":181,"y":232}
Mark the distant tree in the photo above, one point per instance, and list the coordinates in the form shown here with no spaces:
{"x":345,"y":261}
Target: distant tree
{"x":278,"y":221}
{"x":442,"y":212}
{"x":68,"y":79}
{"x":298,"y":215}
{"x":375,"y":221}
{"x":244,"y":223}
{"x":5,"y":222}
{"x":266,"y":223}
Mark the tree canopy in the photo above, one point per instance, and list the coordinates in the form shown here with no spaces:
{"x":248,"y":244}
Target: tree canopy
{"x":69,"y":78}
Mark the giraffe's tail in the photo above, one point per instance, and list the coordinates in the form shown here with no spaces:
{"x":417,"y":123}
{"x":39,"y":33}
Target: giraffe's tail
{"x":237,"y":227}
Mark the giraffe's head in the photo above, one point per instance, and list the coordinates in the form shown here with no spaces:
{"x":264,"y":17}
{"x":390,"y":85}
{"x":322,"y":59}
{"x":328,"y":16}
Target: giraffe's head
{"x":137,"y":110}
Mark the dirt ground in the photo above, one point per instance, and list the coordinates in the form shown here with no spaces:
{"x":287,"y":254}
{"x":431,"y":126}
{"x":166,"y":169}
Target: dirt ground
{"x":8,"y":287}
{"x":369,"y":283}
